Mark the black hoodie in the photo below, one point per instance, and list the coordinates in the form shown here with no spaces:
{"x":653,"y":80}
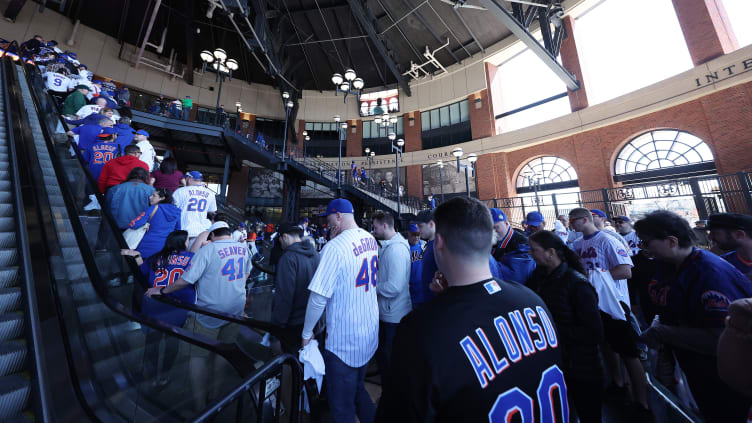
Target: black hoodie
{"x":295,"y":270}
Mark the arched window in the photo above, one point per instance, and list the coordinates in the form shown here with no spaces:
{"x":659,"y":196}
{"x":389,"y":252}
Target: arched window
{"x":546,"y":173}
{"x":662,"y":154}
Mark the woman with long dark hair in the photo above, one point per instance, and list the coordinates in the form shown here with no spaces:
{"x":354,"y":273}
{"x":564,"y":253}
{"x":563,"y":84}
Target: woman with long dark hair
{"x":163,"y":217}
{"x":560,"y":281}
{"x":168,"y":176}
{"x":162,"y":269}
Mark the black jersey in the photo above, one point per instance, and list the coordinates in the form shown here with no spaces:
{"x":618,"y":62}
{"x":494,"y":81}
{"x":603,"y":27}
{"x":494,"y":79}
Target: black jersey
{"x":482,"y":352}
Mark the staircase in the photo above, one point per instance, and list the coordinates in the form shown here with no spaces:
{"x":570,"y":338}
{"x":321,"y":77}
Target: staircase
{"x":323,"y":173}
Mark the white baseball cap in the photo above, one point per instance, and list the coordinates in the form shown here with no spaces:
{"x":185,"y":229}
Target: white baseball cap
{"x":217,"y":225}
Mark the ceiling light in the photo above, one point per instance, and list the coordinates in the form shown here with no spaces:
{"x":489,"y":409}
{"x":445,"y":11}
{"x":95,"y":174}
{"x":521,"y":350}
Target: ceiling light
{"x":207,"y":56}
{"x":232,"y":64}
{"x":358,"y":83}
{"x":337,"y":79}
{"x":345,"y":86}
{"x":220,"y":54}
{"x":349,"y":74}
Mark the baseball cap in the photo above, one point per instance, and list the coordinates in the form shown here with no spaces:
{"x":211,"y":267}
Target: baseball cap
{"x":142,"y":132}
{"x":304,"y":220}
{"x":597,"y":212}
{"x":730,"y":221}
{"x":534,"y":219}
{"x":107,"y":132}
{"x":218,"y":225}
{"x":288,"y":227}
{"x":412,"y":228}
{"x":338,"y":205}
{"x":624,"y":218}
{"x":424,"y":216}
{"x":241,"y":225}
{"x":498,"y":215}
{"x":194,"y":174}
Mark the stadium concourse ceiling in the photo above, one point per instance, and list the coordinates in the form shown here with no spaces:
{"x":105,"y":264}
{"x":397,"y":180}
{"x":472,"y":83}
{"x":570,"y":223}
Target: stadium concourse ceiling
{"x":301,"y":43}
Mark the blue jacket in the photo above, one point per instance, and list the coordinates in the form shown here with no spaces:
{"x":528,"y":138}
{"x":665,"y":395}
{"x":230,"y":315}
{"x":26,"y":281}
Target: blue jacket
{"x":87,"y":135}
{"x":124,"y":135}
{"x":92,"y":119}
{"x":516,"y":266}
{"x":127,"y":201}
{"x":416,"y":290}
{"x":165,"y":220}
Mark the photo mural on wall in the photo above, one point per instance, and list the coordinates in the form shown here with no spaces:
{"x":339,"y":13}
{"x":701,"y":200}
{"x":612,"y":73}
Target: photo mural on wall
{"x":453,"y":181}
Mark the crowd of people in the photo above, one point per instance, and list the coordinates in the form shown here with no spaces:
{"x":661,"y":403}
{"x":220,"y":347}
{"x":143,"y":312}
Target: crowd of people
{"x":569,"y":317}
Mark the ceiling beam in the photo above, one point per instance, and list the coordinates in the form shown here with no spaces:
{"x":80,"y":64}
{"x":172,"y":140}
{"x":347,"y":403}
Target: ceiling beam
{"x":396,"y":25}
{"x":314,"y":9}
{"x":305,"y":54}
{"x":430,"y":29}
{"x":467,"y":27}
{"x":357,"y":9}
{"x":524,"y":35}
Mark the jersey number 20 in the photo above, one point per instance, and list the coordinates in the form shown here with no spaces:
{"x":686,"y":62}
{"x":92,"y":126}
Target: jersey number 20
{"x":163,"y":278}
{"x":514,"y":401}
{"x":194,"y":204}
{"x":366,"y":277}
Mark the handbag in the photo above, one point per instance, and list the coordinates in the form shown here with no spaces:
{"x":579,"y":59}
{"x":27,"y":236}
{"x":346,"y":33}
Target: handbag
{"x":133,"y":237}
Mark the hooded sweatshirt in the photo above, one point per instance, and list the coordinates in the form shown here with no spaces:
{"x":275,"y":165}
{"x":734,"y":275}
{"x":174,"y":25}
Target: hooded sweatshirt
{"x":295,"y":270}
{"x":394,"y":279}
{"x":127,"y":200}
{"x":165,"y":220}
{"x":116,"y":171}
{"x":125,"y":135}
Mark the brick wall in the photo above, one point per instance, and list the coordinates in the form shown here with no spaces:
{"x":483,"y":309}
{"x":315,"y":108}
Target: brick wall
{"x":237,"y":187}
{"x":481,"y":115}
{"x":722,"y":119}
{"x":413,"y":140}
{"x":706,"y":29}
{"x":570,"y":59}
{"x":355,"y":138}
{"x":414,"y":181}
{"x":299,"y":135}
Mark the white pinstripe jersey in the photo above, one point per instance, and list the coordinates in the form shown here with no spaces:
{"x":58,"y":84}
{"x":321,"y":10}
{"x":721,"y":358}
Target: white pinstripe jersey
{"x":194,"y":202}
{"x":347,"y":277}
{"x":604,"y":251}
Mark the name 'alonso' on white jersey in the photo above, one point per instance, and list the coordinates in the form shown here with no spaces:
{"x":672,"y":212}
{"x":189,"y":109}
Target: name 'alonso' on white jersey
{"x":194,"y":203}
{"x":347,"y":276}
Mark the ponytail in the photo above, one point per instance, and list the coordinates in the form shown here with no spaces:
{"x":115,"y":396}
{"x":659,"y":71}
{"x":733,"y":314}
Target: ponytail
{"x":549,"y":240}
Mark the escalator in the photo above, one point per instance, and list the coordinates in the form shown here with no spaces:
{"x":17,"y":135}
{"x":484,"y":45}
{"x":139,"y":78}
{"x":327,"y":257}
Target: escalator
{"x":97,"y":341}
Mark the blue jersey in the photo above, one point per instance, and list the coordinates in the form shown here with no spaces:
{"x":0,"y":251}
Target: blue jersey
{"x":428,"y":269}
{"x":698,"y":295}
{"x":164,"y":276}
{"x":416,"y":290}
{"x":741,"y":265}
{"x":98,"y":154}
{"x":87,"y":135}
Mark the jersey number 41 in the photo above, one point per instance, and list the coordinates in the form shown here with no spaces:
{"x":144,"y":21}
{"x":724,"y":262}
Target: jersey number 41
{"x":365,"y":277}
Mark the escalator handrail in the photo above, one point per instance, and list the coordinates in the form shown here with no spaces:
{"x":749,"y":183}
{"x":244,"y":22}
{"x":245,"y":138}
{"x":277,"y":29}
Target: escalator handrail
{"x":138,"y":276}
{"x":262,"y":373}
{"x":22,"y":244}
{"x":229,"y":352}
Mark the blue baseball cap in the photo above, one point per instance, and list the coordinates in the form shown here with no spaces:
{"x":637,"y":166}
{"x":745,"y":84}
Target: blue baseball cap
{"x":624,"y":218}
{"x":338,"y":205}
{"x":498,"y":215}
{"x":412,"y":228}
{"x":596,"y":212}
{"x":304,"y":220}
{"x":142,"y":132}
{"x":534,"y":219}
{"x":107,"y":132}
{"x":194,"y":174}
{"x":241,"y":225}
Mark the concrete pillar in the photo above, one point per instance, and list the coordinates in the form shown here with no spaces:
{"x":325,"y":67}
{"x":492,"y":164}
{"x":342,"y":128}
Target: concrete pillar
{"x":237,"y":190}
{"x":706,"y":29}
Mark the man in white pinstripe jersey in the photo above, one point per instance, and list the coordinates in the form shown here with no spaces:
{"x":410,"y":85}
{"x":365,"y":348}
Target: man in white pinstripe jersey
{"x":345,"y":285}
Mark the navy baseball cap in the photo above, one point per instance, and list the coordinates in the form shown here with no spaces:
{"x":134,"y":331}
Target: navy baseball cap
{"x":534,"y":219}
{"x":107,"y":132}
{"x":413,"y":228}
{"x":624,"y":218}
{"x":498,"y":215}
{"x":304,"y":220}
{"x":338,"y":205}
{"x":195,"y":175}
{"x":142,"y":132}
{"x":597,"y":212}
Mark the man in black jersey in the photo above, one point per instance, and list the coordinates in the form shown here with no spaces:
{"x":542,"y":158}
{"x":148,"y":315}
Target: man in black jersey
{"x":484,"y":349}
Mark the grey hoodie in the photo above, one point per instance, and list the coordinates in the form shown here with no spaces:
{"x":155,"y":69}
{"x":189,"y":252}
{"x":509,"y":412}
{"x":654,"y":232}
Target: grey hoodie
{"x":394,"y":279}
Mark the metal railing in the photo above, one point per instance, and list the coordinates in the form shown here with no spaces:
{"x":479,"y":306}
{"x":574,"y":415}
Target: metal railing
{"x":696,"y":197}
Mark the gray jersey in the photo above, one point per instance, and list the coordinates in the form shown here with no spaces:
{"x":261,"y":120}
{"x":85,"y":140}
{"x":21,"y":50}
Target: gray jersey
{"x":220,"y":269}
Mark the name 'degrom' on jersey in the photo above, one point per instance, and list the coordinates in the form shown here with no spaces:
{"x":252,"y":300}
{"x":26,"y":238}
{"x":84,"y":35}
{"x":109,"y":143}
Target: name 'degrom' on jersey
{"x":517,"y":339}
{"x":232,"y":251}
{"x":366,"y":244}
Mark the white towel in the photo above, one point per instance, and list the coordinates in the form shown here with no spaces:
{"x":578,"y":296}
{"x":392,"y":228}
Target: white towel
{"x":313,"y":363}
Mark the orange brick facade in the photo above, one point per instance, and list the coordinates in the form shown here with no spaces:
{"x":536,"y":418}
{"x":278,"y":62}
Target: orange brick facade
{"x":706,"y":29}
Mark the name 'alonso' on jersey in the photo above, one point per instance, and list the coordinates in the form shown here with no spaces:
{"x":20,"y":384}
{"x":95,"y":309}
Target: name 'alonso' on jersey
{"x":194,"y":203}
{"x":347,"y":276}
{"x":482,"y":352}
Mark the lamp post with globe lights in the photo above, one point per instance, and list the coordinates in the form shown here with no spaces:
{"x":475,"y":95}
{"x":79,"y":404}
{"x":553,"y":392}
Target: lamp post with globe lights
{"x":397,"y":149}
{"x":217,"y":60}
{"x":342,"y":127}
{"x":472,"y":158}
{"x":441,"y":178}
{"x":349,"y":84}
{"x":288,"y":108}
{"x":369,"y":157}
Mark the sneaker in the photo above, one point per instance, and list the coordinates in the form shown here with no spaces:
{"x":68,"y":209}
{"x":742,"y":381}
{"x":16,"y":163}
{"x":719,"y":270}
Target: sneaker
{"x":93,"y":205}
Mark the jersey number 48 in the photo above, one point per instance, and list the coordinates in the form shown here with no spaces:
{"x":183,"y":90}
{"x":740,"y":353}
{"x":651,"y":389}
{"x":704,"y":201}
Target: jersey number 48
{"x":366,"y":277}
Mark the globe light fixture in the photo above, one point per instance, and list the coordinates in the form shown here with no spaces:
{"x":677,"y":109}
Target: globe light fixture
{"x":349,"y":84}
{"x":457,"y":152}
{"x":350,"y":74}
{"x":219,"y":63}
{"x":400,"y":142}
{"x":337,"y":79}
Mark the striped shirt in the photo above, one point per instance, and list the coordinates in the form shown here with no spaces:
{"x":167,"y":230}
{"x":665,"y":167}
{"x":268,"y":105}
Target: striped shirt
{"x":347,"y":276}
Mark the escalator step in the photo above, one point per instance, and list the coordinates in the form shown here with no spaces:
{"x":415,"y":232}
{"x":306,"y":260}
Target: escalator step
{"x":7,"y":224}
{"x":7,"y":239}
{"x":12,"y":357}
{"x":5,"y":197}
{"x":4,"y":175}
{"x":15,"y":391}
{"x":11,"y":326}
{"x":9,"y":277}
{"x":6,"y":210}
{"x":10,"y":299}
{"x":8,"y":257}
